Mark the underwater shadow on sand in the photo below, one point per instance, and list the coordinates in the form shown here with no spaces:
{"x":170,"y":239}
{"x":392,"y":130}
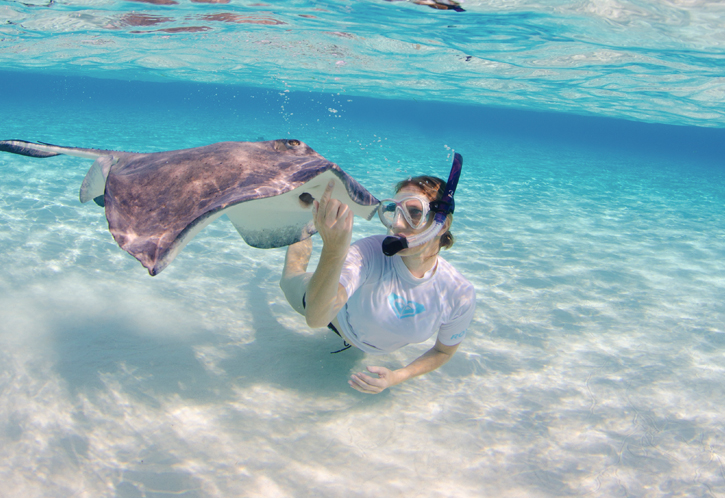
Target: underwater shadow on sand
{"x":90,"y":346}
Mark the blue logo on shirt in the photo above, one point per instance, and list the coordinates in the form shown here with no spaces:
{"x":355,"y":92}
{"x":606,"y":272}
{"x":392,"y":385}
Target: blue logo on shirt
{"x":458,"y":336}
{"x":404,"y":308}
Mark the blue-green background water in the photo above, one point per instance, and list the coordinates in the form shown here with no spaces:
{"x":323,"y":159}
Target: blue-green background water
{"x":594,"y":364}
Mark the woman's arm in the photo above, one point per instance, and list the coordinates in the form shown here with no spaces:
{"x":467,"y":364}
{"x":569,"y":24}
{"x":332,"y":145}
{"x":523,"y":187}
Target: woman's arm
{"x":325,"y":295}
{"x":433,"y":358}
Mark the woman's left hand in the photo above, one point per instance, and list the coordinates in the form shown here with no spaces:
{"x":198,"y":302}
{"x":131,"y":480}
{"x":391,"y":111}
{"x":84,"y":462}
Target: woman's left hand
{"x":371,"y":385}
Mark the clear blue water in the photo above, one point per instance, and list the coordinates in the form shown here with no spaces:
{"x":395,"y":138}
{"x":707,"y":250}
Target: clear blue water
{"x":594,"y":365}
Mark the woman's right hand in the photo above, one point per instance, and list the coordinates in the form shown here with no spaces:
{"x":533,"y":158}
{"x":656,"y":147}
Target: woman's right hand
{"x":333,"y":221}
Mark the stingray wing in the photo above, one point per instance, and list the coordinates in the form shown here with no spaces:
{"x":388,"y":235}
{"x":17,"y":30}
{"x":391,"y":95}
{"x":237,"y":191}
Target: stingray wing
{"x":156,"y":203}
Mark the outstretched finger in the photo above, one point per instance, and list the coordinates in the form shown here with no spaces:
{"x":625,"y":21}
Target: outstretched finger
{"x":341,"y":213}
{"x":379,"y":371}
{"x":360,"y":389}
{"x":349,"y":221}
{"x":367,"y":381}
{"x":362,"y":386}
{"x":328,"y":213}
{"x":327,"y":193}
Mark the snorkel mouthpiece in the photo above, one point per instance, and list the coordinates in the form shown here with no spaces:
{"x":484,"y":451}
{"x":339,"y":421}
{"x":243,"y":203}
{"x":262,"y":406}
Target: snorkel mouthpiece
{"x":393,"y":244}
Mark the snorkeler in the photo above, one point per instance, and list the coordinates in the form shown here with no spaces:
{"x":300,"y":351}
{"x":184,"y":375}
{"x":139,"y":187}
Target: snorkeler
{"x":438,"y":4}
{"x":382,"y":293}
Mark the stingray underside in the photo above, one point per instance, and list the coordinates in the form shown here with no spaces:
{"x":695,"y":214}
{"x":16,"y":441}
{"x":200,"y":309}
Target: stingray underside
{"x":156,"y":203}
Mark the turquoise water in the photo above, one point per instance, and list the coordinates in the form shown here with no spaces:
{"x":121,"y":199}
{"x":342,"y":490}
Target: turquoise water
{"x":594,"y":364}
{"x":648,"y":60}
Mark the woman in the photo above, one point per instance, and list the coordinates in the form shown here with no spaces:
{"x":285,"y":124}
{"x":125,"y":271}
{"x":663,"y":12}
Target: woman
{"x":380,"y":303}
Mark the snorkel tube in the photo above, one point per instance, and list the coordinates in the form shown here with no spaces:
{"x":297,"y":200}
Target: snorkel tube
{"x":393,"y":244}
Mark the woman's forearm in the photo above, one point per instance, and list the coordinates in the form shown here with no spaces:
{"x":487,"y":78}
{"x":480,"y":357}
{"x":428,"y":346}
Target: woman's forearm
{"x":435,"y":357}
{"x":432,"y":359}
{"x":323,"y":299}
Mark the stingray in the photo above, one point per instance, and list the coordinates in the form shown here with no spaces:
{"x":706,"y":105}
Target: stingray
{"x":156,"y":203}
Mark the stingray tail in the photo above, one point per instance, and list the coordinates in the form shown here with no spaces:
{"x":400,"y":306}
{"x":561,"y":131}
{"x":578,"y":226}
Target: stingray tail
{"x":41,"y":149}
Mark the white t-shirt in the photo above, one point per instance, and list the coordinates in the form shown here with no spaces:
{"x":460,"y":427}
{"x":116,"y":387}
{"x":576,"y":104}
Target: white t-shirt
{"x":388,"y":308}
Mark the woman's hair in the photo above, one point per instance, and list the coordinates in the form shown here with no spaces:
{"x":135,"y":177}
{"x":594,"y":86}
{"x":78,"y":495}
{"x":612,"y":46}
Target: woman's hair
{"x":433,"y":188}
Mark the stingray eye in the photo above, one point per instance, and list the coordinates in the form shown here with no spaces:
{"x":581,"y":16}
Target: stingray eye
{"x":293,"y":143}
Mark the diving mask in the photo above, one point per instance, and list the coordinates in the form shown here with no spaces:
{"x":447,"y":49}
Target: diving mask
{"x":413,"y":208}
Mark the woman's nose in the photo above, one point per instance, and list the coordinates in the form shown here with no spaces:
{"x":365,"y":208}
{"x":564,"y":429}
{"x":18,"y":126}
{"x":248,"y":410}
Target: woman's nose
{"x":399,"y":220}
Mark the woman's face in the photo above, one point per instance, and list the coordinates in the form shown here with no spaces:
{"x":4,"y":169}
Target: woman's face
{"x":401,"y":227}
